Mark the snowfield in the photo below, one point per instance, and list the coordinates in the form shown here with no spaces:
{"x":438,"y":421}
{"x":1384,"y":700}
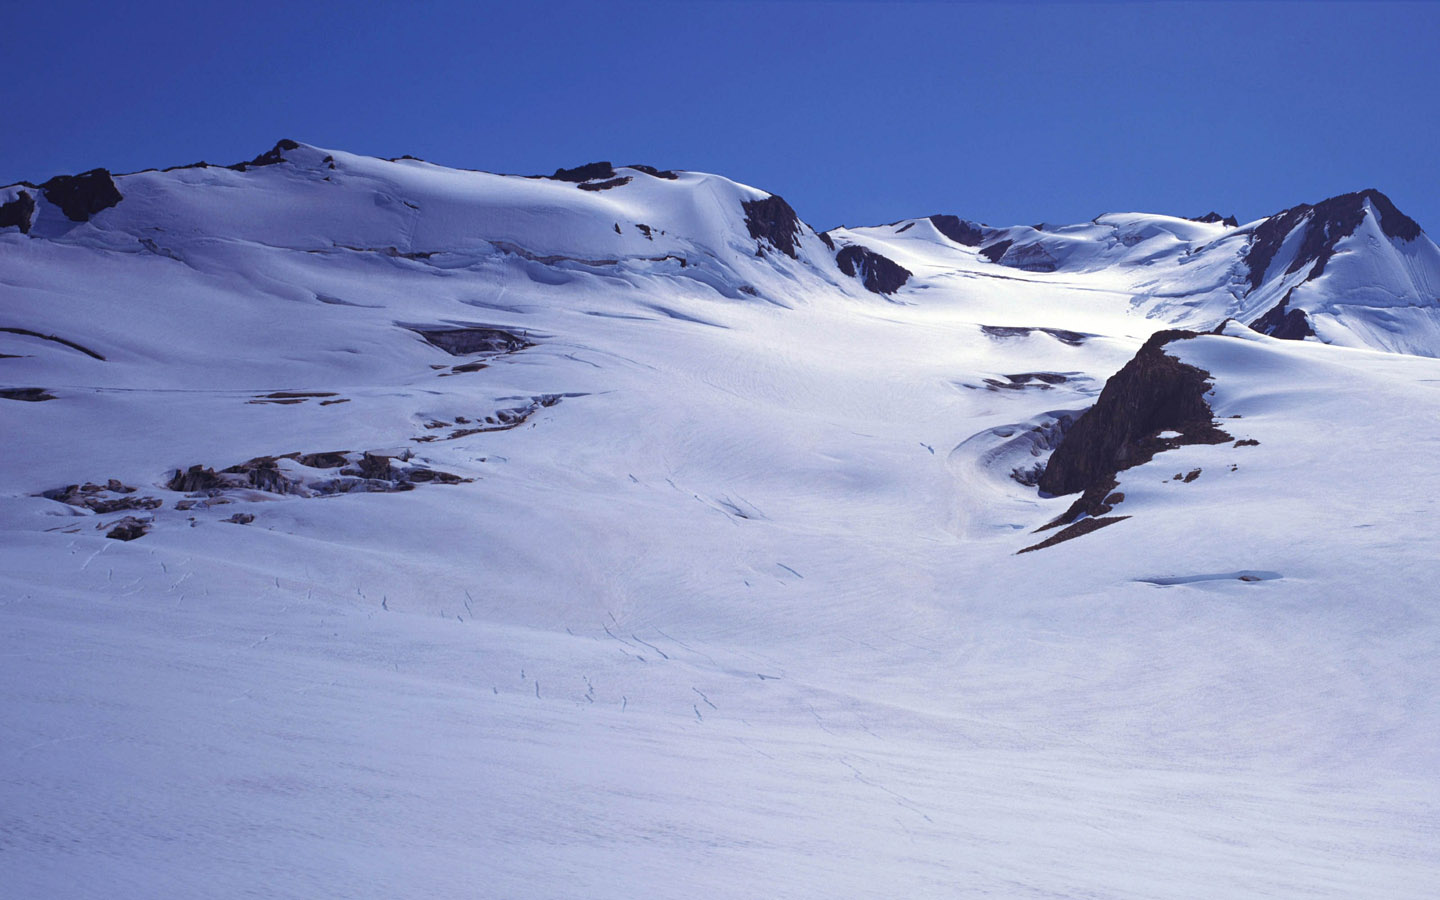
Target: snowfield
{"x":691,"y":568}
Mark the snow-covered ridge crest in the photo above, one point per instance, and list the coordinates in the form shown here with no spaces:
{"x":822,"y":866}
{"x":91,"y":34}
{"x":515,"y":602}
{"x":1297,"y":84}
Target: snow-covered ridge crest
{"x":1351,"y":270}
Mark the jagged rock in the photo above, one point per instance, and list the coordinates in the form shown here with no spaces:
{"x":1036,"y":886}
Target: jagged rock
{"x":655,"y":173}
{"x":1031,"y":257}
{"x":27,"y":395}
{"x":996,"y":251}
{"x":607,"y":184}
{"x":1212,"y":218}
{"x":1286,"y":324}
{"x":18,"y":213}
{"x":879,"y":274}
{"x":53,"y":338}
{"x":588,"y":172}
{"x":333,"y":459}
{"x":959,"y":230}
{"x":465,"y":341}
{"x":196,"y":478}
{"x":128,"y":529}
{"x":271,"y":157}
{"x":240,"y":519}
{"x":82,"y":196}
{"x":1083,"y":527}
{"x":376,"y":468}
{"x":773,"y":220}
{"x":263,"y":473}
{"x":1152,"y":393}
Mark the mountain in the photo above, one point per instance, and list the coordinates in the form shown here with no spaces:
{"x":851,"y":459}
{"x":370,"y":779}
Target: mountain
{"x":373,"y":528}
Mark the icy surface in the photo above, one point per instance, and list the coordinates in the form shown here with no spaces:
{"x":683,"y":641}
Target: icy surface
{"x":733,"y":610}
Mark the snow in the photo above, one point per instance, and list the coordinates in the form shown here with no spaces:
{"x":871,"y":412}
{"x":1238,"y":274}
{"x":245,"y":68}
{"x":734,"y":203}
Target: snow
{"x":741,"y":614}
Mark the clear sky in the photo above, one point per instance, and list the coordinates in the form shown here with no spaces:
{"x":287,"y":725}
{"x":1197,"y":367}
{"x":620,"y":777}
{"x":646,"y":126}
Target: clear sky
{"x":856,"y":112}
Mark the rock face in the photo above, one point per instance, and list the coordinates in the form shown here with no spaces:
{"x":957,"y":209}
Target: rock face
{"x":588,"y":172}
{"x":274,"y":156}
{"x":1212,"y":218}
{"x":655,"y":173}
{"x":82,"y":196}
{"x":466,"y":341}
{"x":880,"y":274}
{"x":1325,"y":225}
{"x":1154,"y":392}
{"x":18,"y":213}
{"x":1284,"y":323}
{"x":773,"y":220}
{"x":959,"y":230}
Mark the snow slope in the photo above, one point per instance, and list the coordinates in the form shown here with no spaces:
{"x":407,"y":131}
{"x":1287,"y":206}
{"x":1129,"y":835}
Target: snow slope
{"x":736,"y":607}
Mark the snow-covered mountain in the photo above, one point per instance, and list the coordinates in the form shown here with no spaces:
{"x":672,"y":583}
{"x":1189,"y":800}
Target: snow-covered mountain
{"x":372,"y":528}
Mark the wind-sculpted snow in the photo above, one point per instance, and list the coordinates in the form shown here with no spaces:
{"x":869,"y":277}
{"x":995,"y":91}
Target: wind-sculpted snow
{"x":392,"y":530}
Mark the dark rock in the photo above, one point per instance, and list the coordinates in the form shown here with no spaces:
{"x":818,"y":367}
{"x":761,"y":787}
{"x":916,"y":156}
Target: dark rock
{"x":28,"y":395}
{"x":961,"y":231}
{"x":376,"y":468}
{"x":645,"y":230}
{"x":82,"y":196}
{"x":274,"y":156}
{"x":1213,"y":217}
{"x":879,"y":274}
{"x":827,"y":240}
{"x":478,"y":339}
{"x":116,"y":504}
{"x":587,"y":172}
{"x":1031,"y":257}
{"x":606,"y":185}
{"x":1083,"y":527}
{"x":196,"y":478}
{"x":773,"y":220}
{"x":240,"y":518}
{"x":18,"y":213}
{"x":655,"y":173}
{"x":996,"y":251}
{"x":333,"y":459}
{"x":59,"y":340}
{"x":1152,"y":393}
{"x":128,"y":529}
{"x":1247,"y":442}
{"x":1045,"y":377}
{"x":262,"y":473}
{"x":1190,"y":476}
{"x":1283,"y":323}
{"x":434,"y":476}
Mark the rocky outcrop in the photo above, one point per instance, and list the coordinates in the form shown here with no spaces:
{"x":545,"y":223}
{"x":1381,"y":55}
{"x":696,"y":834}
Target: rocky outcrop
{"x":589,"y":172}
{"x":959,"y":230}
{"x":18,"y":213}
{"x":26,"y":395}
{"x":1153,"y":393}
{"x":274,"y":156}
{"x":605,"y":185}
{"x":879,"y":274}
{"x":773,"y":220}
{"x":478,"y":339}
{"x":1282,"y":322}
{"x":1214,"y":218}
{"x":81,"y":196}
{"x":996,"y":251}
{"x":655,"y":173}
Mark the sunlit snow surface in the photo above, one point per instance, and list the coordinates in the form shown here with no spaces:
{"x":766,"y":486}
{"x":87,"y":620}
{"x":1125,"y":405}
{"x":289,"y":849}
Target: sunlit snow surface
{"x":740,"y":616}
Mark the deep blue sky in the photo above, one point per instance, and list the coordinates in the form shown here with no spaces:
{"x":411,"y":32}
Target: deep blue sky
{"x":856,"y":112}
